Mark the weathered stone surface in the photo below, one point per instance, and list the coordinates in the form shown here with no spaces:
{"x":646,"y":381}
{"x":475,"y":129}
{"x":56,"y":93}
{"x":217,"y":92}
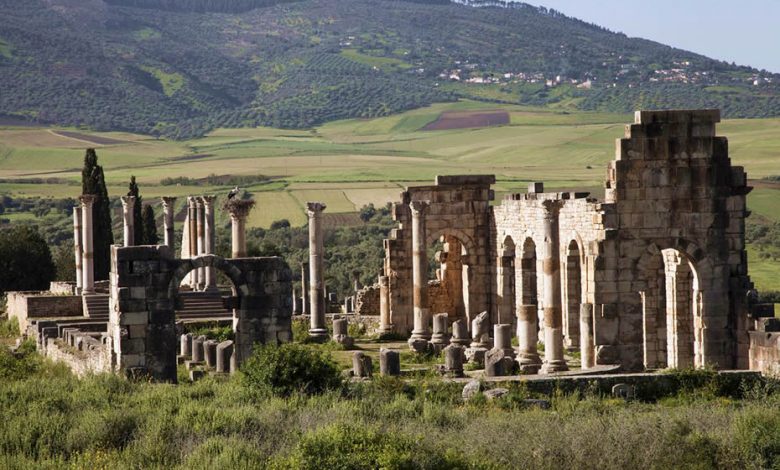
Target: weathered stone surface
{"x":340,"y":333}
{"x":471,"y":389}
{"x":185,"y":349}
{"x":224,"y":356}
{"x":389,"y":362}
{"x":198,"y":354}
{"x":454,"y":356}
{"x":362,"y":366}
{"x":460,"y":333}
{"x":625,"y":391}
{"x":495,"y":393}
{"x":498,"y":363}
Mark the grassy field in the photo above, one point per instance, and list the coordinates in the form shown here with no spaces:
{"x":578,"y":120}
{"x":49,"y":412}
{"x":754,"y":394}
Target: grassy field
{"x":347,"y":164}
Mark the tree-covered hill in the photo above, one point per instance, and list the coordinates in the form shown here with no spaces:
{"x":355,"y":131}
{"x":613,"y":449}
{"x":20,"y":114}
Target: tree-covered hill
{"x":181,"y":67}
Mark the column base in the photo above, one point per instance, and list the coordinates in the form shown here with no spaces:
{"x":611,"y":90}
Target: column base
{"x":211,"y":289}
{"x":319,"y":335}
{"x":385,"y":329}
{"x":529,"y":363}
{"x":418,"y":345}
{"x":554,"y":366}
{"x":88,"y":292}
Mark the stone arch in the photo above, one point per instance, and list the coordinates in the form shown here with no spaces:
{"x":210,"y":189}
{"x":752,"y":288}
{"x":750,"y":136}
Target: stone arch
{"x":452,"y":293}
{"x":671,"y":274}
{"x":466,"y":241}
{"x":186,"y":266}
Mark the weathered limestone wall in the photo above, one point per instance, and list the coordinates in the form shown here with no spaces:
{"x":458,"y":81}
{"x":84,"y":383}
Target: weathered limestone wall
{"x":459,"y":207}
{"x":84,"y":359}
{"x":765,"y":352}
{"x":367,"y":300}
{"x":144,"y":286}
{"x":41,"y":304}
{"x":673,"y":187}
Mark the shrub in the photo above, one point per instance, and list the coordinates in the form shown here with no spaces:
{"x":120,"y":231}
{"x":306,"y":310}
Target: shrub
{"x":347,"y":447}
{"x":290,"y":368}
{"x":22,"y":363}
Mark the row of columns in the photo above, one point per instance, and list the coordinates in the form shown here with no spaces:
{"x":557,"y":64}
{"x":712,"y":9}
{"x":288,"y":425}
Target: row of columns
{"x":84,"y":245}
{"x":201,"y":240}
{"x":526,"y":329}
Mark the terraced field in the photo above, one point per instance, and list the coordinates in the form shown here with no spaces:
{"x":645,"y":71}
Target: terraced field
{"x":348,"y":164}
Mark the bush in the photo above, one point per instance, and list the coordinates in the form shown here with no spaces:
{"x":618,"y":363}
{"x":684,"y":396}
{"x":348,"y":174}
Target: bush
{"x":22,"y":363}
{"x":290,"y":368}
{"x":346,"y":447}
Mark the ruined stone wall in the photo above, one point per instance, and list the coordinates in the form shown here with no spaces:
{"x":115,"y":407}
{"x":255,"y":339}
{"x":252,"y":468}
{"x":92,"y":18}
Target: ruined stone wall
{"x":36,"y":304}
{"x":673,"y":187}
{"x":765,"y":352}
{"x":460,"y":208}
{"x":367,"y":300}
{"x":144,"y":286}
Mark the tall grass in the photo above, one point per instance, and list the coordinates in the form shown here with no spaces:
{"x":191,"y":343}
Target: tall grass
{"x":50,"y":419}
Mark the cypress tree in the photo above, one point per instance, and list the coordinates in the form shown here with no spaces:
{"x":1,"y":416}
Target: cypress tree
{"x":150,"y":226}
{"x":93,"y":182}
{"x":138,"y":229}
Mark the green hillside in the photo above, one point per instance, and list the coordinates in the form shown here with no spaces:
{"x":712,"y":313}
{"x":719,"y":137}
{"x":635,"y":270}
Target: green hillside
{"x":182,"y":68}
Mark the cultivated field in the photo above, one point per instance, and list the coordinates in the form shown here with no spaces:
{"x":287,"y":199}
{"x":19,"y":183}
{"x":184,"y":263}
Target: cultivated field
{"x":348,"y":164}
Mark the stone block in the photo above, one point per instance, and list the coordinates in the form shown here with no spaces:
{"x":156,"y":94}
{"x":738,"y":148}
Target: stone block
{"x":224,"y":354}
{"x":361,"y":365}
{"x":389,"y":362}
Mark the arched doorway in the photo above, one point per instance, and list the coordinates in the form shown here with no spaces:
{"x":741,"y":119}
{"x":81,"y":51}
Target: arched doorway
{"x":671,"y":310}
{"x":454,"y":275}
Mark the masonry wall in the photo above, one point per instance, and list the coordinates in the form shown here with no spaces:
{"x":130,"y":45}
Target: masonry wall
{"x":35,"y":304}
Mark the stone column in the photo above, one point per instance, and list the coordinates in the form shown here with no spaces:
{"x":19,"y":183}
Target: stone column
{"x":385,"y":322}
{"x":316,"y":272}
{"x":88,"y":251}
{"x":588,"y":353}
{"x":169,"y":205}
{"x":192,"y":216}
{"x":527,"y":355}
{"x":128,"y":209}
{"x":305,"y":308}
{"x":239,"y":211}
{"x":507,"y":302}
{"x":421,"y":332}
{"x":201,"y":243}
{"x":77,"y":248}
{"x":553,"y":327}
{"x":209,"y":235}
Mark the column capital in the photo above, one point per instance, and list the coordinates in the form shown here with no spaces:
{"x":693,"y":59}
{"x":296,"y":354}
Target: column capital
{"x":192,"y":202}
{"x":315,"y":208}
{"x":239,"y":208}
{"x":168,"y":201}
{"x":87,"y":199}
{"x":384,"y":281}
{"x":209,"y":200}
{"x":128,"y":201}
{"x":419,"y":207}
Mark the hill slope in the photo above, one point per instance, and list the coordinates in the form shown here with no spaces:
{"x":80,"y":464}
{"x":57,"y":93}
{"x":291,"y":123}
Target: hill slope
{"x":164,"y":67}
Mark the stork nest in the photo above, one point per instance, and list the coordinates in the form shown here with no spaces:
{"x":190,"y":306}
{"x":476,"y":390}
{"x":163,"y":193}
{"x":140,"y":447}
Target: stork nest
{"x":239,"y":207}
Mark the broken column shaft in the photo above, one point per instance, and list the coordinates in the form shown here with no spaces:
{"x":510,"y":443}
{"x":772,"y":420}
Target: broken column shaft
{"x":128,"y":220}
{"x":209,"y":239}
{"x":169,"y":204}
{"x":77,"y":248}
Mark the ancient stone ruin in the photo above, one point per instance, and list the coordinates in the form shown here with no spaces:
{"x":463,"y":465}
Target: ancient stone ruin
{"x":653,"y":276}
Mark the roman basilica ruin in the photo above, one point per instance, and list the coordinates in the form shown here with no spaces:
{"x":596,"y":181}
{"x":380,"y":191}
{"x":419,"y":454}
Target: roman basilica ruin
{"x":653,"y":276}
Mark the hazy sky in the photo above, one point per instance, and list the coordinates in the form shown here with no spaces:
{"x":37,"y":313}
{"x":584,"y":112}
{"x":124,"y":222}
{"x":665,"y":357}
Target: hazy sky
{"x":743,"y":31}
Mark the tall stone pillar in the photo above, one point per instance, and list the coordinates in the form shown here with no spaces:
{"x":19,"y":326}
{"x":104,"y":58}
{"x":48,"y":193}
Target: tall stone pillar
{"x":77,"y":247}
{"x":506,"y":306}
{"x":201,"y":243}
{"x":209,"y":238}
{"x":169,"y":205}
{"x":385,"y":322}
{"x":421,"y":332}
{"x":128,"y":221}
{"x":318,"y":331}
{"x":192,"y":216}
{"x":553,"y":322}
{"x":88,"y":250}
{"x":239,"y":211}
{"x":305,"y":308}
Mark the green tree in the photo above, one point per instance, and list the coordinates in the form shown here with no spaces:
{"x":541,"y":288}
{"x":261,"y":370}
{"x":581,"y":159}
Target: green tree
{"x":25,"y":260}
{"x":138,"y":221}
{"x":93,"y":182}
{"x":149,"y":227}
